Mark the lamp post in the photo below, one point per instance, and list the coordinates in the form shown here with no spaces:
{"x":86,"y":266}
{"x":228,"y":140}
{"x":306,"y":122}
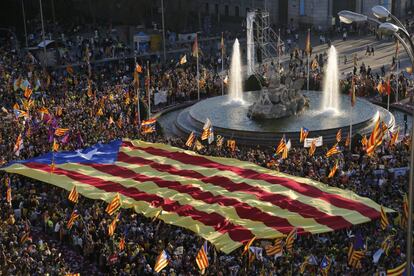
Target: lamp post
{"x":399,"y":31}
{"x":43,"y":35}
{"x":163,"y":30}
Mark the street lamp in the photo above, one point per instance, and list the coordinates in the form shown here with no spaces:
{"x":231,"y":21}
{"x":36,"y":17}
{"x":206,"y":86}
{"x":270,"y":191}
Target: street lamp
{"x":348,"y":17}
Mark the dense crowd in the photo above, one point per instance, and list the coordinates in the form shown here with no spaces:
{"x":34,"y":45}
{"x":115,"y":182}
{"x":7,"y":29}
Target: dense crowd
{"x":102,"y":107}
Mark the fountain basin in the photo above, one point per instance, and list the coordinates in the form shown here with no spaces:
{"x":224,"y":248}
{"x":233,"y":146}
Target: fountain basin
{"x":231,"y":120}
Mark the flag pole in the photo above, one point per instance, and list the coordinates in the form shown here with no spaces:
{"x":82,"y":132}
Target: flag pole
{"x":278,"y":53}
{"x":198,"y":78}
{"x":350,"y":128}
{"x":398,"y":69}
{"x":222,"y":64}
{"x":148,"y":90}
{"x":388,"y":98}
{"x":137,"y":87}
{"x":308,"y":53}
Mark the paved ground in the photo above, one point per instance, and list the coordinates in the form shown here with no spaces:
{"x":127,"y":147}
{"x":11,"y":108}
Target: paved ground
{"x":384,"y":51}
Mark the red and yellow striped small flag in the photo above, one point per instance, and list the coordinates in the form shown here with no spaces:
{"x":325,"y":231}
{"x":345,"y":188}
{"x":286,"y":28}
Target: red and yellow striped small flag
{"x":73,"y":195}
{"x":304,"y":132}
{"x":162,"y":261}
{"x":121,"y":244}
{"x":354,"y":257}
{"x":247,"y":246}
{"x":334,"y":150}
{"x":281,"y":146}
{"x":190,"y":140}
{"x":348,"y":140}
{"x":290,"y":239}
{"x":404,"y":217}
{"x":384,"y":219}
{"x":55,"y":146}
{"x":312,"y":148}
{"x":333,"y":170}
{"x":277,"y":249}
{"x":231,"y":144}
{"x":72,"y":219}
{"x":339,"y":135}
{"x":44,"y":110}
{"x":28,"y":92}
{"x":114,"y":205}
{"x":201,"y":258}
{"x":73,"y":274}
{"x":112,"y":226}
{"x":61,"y":131}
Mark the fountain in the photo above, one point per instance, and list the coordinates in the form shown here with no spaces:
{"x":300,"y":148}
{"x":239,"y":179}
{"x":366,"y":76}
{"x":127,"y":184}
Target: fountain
{"x":280,"y":108}
{"x":330,"y":100}
{"x":235,"y":77}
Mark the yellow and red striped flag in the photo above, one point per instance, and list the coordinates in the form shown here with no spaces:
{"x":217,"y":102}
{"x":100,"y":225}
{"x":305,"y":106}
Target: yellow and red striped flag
{"x":154,"y":176}
{"x":290,"y":239}
{"x":282,"y":144}
{"x":332,"y":151}
{"x":55,"y":146}
{"x":387,"y":244}
{"x":18,"y":146}
{"x":73,"y":195}
{"x":190,"y":140}
{"x":333,"y":170}
{"x":348,"y":140}
{"x":162,"y":261}
{"x":399,"y":270}
{"x":354,"y":257}
{"x":114,"y":205}
{"x":27,"y":92}
{"x":276,"y":249}
{"x":364,"y":141}
{"x":384,"y":219}
{"x":339,"y":135}
{"x":73,"y":274}
{"x":44,"y":110}
{"x":121,"y":244}
{"x":112,"y":226}
{"x":304,"y":132}
{"x":206,"y":129}
{"x":404,"y":217}
{"x":201,"y":258}
{"x":231,"y":144}
{"x":247,"y":245}
{"x":394,"y":137}
{"x":61,"y":131}
{"x":72,"y":219}
{"x":312,"y":148}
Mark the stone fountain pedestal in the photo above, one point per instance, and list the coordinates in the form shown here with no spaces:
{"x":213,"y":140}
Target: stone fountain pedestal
{"x":279,"y":100}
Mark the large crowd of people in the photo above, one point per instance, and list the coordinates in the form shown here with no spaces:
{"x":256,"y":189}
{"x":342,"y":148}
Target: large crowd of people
{"x":101,"y":106}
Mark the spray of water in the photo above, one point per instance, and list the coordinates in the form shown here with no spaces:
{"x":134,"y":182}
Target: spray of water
{"x":235,"y":77}
{"x":330,"y":101}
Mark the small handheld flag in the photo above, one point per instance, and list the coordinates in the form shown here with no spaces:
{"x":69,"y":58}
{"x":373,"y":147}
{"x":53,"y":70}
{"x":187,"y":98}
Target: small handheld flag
{"x":114,"y":205}
{"x":162,"y":261}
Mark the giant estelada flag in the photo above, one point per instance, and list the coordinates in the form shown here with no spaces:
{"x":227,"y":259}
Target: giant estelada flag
{"x":225,"y":201}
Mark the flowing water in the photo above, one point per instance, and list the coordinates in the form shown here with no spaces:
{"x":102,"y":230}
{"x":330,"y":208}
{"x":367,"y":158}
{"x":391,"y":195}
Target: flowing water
{"x":235,"y":76}
{"x":330,"y":100}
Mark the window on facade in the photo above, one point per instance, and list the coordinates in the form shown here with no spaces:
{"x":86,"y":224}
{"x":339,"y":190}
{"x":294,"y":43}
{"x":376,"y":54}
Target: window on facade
{"x":226,"y":10}
{"x":216,"y":9}
{"x":302,"y":7}
{"x":207,"y":8}
{"x":236,"y":11}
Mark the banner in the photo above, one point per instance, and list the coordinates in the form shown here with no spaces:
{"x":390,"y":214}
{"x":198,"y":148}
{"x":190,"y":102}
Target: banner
{"x":160,"y":97}
{"x":308,"y":142}
{"x":224,"y":201}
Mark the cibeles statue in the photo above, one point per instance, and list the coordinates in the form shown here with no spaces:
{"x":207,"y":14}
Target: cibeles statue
{"x":279,"y":100}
